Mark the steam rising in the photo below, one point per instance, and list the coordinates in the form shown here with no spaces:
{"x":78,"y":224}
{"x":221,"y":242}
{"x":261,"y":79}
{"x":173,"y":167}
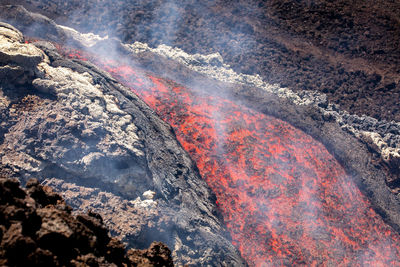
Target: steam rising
{"x":304,"y":213}
{"x":86,"y":39}
{"x":308,"y":208}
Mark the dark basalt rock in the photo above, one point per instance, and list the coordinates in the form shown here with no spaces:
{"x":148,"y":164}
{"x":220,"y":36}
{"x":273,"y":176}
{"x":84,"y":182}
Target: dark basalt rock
{"x":81,"y":131}
{"x":34,"y":24}
{"x":348,"y":50}
{"x":163,"y":166}
{"x":156,"y":255}
{"x":37,"y":228}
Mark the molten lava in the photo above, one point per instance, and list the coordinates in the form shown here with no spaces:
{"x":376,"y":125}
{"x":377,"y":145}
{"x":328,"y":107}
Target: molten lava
{"x":284,"y":198}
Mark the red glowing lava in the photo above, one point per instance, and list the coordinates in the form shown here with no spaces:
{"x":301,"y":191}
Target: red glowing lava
{"x":284,"y":198}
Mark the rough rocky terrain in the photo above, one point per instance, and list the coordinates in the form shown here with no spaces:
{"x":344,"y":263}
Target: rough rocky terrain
{"x":67,"y":120}
{"x":336,"y":65}
{"x":347,"y":50}
{"x":345,"y":55}
{"x":37,"y":228}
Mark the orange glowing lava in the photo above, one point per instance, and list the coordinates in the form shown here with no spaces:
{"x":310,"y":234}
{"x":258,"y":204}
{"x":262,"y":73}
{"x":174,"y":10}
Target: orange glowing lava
{"x":284,"y":198}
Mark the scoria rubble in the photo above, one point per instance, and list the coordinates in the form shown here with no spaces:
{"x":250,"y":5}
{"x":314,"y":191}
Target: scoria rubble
{"x":37,"y":228}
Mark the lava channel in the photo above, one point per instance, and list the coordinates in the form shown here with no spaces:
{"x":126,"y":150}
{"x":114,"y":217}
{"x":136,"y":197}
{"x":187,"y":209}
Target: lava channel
{"x":284,"y":198}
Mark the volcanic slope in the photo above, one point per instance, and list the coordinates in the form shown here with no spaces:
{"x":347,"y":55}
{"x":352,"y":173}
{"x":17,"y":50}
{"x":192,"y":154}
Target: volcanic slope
{"x":284,"y":198}
{"x":73,"y":125}
{"x":362,"y":250}
{"x":348,"y":50}
{"x":381,"y":136}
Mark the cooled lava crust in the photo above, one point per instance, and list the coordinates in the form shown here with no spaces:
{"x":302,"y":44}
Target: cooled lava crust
{"x":37,"y":228}
{"x":286,"y":197}
{"x":105,"y":150}
{"x":349,"y":50}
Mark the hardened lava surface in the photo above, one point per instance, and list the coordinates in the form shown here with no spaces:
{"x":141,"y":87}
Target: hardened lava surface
{"x":283,"y":196}
{"x":348,"y":50}
{"x":80,"y":131}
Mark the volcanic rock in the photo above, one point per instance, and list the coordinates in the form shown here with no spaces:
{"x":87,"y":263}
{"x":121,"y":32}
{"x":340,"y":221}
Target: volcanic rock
{"x":76,"y":127}
{"x":367,"y":148}
{"x":213,"y":65}
{"x":33,"y":23}
{"x":348,"y":50}
{"x":38,"y":229}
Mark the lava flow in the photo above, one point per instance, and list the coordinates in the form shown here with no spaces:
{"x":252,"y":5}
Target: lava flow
{"x":284,"y":198}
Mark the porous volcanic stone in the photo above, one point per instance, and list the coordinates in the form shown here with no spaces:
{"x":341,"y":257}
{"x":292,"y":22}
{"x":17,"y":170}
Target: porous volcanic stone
{"x":37,"y":228}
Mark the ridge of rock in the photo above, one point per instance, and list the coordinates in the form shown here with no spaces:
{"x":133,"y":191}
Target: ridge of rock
{"x":65,"y":120}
